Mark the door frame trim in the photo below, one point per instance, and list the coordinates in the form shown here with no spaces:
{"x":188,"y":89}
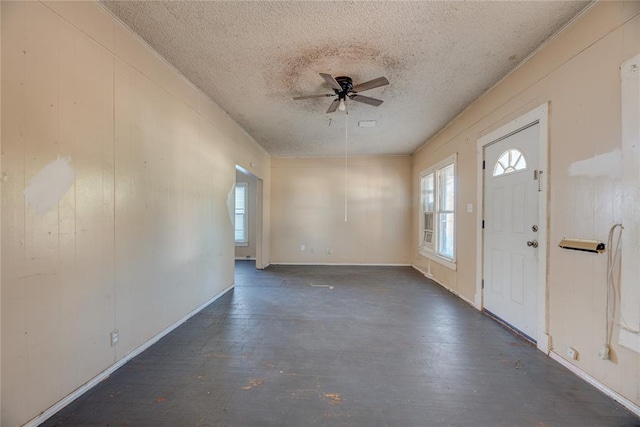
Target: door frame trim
{"x":537,"y":115}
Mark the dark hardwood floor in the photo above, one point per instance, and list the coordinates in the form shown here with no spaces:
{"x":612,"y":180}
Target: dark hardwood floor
{"x":341,"y":346}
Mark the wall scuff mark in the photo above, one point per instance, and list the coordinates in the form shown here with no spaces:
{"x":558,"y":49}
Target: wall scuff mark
{"x":231,"y":203}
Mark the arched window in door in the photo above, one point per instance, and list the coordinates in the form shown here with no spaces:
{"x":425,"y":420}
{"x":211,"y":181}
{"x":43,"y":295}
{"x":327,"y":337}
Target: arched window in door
{"x":510,"y":161}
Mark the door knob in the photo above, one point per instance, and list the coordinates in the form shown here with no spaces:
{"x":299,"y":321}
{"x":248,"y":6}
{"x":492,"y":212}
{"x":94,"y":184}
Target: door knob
{"x":533,"y":243}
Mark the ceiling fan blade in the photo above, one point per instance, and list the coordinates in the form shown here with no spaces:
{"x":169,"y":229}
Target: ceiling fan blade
{"x":331,"y":81}
{"x":334,"y":106}
{"x":314,"y":96}
{"x":371,"y":84}
{"x":366,"y":100}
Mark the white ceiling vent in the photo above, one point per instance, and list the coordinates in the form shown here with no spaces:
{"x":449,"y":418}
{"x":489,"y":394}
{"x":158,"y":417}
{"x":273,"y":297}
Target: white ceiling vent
{"x":367,"y":123}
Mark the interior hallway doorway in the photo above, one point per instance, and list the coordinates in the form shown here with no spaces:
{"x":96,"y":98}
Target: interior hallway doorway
{"x":248,"y":217}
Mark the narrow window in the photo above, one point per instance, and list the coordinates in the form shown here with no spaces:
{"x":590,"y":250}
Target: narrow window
{"x":446,"y":212}
{"x":241,"y":214}
{"x":437,"y":212}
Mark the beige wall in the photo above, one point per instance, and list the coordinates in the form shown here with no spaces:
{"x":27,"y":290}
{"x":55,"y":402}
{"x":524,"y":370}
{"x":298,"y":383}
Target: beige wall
{"x":252,"y":186}
{"x":144,"y":234}
{"x":578,"y":73}
{"x":308,"y":208}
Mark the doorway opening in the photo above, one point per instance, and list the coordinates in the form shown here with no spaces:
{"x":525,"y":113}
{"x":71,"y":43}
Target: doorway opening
{"x":248,"y":219}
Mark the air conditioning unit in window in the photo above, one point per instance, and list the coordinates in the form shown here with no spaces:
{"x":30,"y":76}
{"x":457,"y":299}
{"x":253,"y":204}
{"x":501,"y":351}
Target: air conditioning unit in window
{"x":428,"y":229}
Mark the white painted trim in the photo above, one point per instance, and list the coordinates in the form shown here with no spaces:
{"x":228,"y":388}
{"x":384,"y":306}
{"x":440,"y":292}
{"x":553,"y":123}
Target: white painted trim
{"x":264,"y":266}
{"x":430,"y":277}
{"x":111,"y":369}
{"x":241,"y":258}
{"x":635,"y":409}
{"x":538,"y":115}
{"x":359,"y":264}
{"x":544,"y":343}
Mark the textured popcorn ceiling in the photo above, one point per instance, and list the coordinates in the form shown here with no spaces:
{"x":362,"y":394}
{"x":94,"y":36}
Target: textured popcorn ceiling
{"x":253,"y":57}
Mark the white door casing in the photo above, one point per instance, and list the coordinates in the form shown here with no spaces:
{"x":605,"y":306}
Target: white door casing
{"x":538,"y":116}
{"x":511,"y":229}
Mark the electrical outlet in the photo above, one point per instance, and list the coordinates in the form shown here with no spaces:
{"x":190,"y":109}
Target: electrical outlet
{"x":572,"y":353}
{"x":114,"y":337}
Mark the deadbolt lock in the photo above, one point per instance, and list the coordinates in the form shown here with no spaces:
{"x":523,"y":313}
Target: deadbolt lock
{"x":534,"y":228}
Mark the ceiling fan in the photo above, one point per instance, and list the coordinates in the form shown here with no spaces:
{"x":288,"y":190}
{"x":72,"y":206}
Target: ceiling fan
{"x":343,"y":87}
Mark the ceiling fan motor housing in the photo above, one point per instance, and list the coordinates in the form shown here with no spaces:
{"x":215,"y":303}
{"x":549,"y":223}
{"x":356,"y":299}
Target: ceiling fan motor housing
{"x":346,"y":84}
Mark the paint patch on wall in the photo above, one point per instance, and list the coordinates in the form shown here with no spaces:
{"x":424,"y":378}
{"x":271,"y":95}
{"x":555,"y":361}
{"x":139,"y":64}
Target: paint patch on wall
{"x":231,"y":203}
{"x":48,"y":187}
{"x":607,"y":164}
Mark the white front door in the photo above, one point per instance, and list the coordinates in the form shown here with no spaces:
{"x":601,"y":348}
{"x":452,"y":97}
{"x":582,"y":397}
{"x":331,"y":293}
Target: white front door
{"x":511,"y":229}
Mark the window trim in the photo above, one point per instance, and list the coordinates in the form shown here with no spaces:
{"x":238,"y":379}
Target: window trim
{"x":431,"y":251}
{"x":245,"y":215}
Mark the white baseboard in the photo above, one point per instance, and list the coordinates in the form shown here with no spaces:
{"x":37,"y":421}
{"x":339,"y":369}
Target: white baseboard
{"x":347,"y":264}
{"x":111,"y":369}
{"x":430,"y":277}
{"x":242,"y":258}
{"x":597,"y":384}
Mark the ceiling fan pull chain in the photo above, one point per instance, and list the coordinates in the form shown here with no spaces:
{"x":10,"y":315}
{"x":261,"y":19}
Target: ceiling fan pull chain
{"x":346,"y":160}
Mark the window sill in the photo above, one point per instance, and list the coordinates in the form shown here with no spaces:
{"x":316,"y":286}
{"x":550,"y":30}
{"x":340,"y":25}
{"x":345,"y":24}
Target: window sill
{"x":242,"y":243}
{"x":437,"y":258}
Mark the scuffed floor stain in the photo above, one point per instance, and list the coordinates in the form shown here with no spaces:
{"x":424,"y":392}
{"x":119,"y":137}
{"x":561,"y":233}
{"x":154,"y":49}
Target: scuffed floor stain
{"x":216,"y":355}
{"x":161,"y":399}
{"x":305,"y":394}
{"x":334,"y":398}
{"x":254,"y":382}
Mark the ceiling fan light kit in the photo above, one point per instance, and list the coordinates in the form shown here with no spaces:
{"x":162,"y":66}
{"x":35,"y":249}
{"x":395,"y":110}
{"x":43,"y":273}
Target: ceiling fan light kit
{"x":343,"y":88}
